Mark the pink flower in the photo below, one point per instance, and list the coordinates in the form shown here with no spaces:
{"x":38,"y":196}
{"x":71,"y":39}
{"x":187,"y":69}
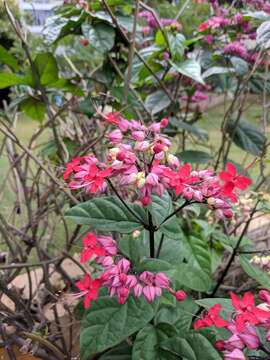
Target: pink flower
{"x":234,"y":342}
{"x":250,"y":337}
{"x":236,"y":354}
{"x":264,"y":295}
{"x":115,"y":136}
{"x":161,"y":280}
{"x":138,"y":135}
{"x":108,"y":244}
{"x":236,"y":48}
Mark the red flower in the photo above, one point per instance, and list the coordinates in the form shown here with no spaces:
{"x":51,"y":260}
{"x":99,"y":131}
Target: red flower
{"x":112,"y":118}
{"x":246,"y":311}
{"x":232,"y":181}
{"x":180,"y":179}
{"x":211,"y":318}
{"x":203,"y":26}
{"x":91,"y":247}
{"x":71,"y":167}
{"x":89,"y":289}
{"x":94,"y":180}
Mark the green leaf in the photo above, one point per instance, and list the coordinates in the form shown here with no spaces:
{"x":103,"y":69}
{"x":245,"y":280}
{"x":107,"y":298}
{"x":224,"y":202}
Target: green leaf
{"x":263,"y":35}
{"x":246,"y":136}
{"x":133,"y":247}
{"x":107,"y":214}
{"x":47,"y":68}
{"x":216,"y":70}
{"x":190,"y":68}
{"x":9,"y":79}
{"x":195,"y":156}
{"x":157,"y":102}
{"x":8,"y":59}
{"x":154,"y":265}
{"x":179,"y":315}
{"x":241,"y":66}
{"x":197,"y":279}
{"x":162,"y":207}
{"x":200,"y":251}
{"x":159,"y":38}
{"x":57,"y":27}
{"x":100,"y":36}
{"x":107,"y":323}
{"x":202,"y":348}
{"x":172,"y":250}
{"x":120,"y":352}
{"x":180,"y":347}
{"x":255,"y":272}
{"x":192,"y":346}
{"x":200,"y":133}
{"x":33,"y":108}
{"x":145,"y":344}
{"x":177,"y":47}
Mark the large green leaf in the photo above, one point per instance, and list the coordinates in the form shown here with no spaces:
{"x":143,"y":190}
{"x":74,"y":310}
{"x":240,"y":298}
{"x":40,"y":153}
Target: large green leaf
{"x":107,"y":214}
{"x":134,"y":248}
{"x":177,"y":47}
{"x":202,"y":348}
{"x":196,"y":279}
{"x":8,"y":59}
{"x":120,"y":352}
{"x":246,"y":136}
{"x":154,"y":265}
{"x":145,"y":345}
{"x":179,"y":315}
{"x":190,"y":68}
{"x":195,"y":156}
{"x":108,"y":323}
{"x":240,"y":65}
{"x":56,"y":27}
{"x":33,"y":108}
{"x":216,"y":70}
{"x":160,"y":208}
{"x":255,"y":272}
{"x":100,"y":36}
{"x":157,"y":102}
{"x":47,"y":68}
{"x":193,"y":346}
{"x":200,"y":251}
{"x":180,"y":347}
{"x":263,"y":35}
{"x":9,"y":79}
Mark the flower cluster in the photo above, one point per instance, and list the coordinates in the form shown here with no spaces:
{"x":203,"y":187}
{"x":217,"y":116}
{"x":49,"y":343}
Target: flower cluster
{"x":117,"y":274}
{"x":139,"y":160}
{"x":243,"y":324}
{"x":262,"y":261}
{"x":233,"y":30}
{"x":152,"y":22}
